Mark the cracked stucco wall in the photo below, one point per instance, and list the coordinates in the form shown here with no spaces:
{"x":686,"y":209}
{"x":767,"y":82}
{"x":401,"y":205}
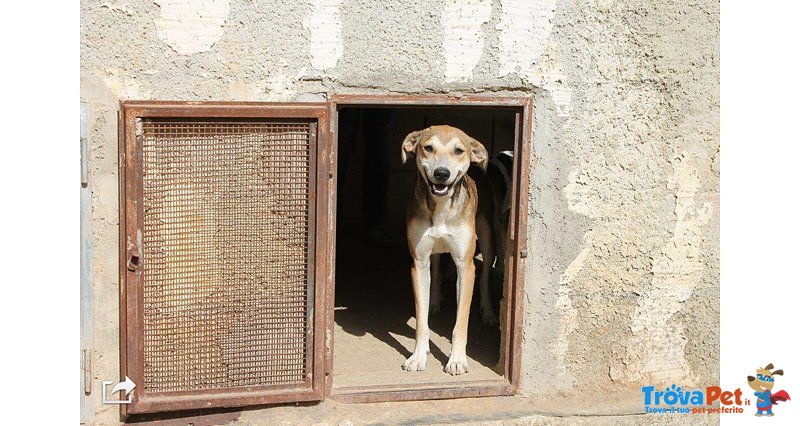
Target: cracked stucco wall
{"x":623,"y":273}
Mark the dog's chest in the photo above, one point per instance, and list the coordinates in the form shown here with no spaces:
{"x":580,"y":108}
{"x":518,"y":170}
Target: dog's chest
{"x":440,"y":237}
{"x":443,"y":237}
{"x":444,"y":231}
{"x":438,"y":241}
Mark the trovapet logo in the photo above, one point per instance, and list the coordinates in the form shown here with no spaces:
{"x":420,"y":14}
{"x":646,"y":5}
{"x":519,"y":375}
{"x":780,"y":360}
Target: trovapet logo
{"x":714,"y":400}
{"x":763,"y":384}
{"x":677,"y":400}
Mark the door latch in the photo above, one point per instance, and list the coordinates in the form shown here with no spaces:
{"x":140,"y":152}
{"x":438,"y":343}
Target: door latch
{"x":134,"y":262}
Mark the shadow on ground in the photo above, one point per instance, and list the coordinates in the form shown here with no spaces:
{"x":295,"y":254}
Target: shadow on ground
{"x":375,"y":306}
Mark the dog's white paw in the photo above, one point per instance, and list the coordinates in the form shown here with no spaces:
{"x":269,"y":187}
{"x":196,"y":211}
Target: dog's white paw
{"x":489,"y":317}
{"x":417,"y":361}
{"x":457,"y":364}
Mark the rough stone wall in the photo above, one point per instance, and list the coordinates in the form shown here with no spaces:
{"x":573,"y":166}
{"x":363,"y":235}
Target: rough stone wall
{"x":623,"y":273}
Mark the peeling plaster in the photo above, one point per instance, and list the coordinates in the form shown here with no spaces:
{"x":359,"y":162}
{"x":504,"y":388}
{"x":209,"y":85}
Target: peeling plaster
{"x":655,"y":352}
{"x":463,"y":37}
{"x":525,"y":49}
{"x":577,"y":192}
{"x":524,"y":27}
{"x":549,"y":74}
{"x":123,"y":87}
{"x":569,"y":315}
{"x":191,"y":26}
{"x":326,"y":34}
{"x":117,"y":6}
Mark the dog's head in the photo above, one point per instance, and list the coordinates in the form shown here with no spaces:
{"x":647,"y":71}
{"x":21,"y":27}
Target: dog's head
{"x":443,"y":156}
{"x":765,"y":379}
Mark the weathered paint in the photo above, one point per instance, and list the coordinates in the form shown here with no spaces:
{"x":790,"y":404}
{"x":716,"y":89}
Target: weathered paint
{"x":124,"y":87}
{"x":462,"y":22}
{"x":550,"y":75}
{"x":325,"y":28}
{"x":117,"y":6}
{"x":191,"y":26}
{"x":524,"y":27}
{"x":569,"y":318}
{"x":655,"y":351}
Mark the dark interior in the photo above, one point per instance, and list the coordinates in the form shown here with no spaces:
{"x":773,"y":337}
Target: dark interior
{"x":374,"y":305}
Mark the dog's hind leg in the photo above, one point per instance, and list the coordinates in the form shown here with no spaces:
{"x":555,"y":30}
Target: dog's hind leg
{"x":436,"y":284}
{"x":421,"y":281}
{"x":499,"y":234}
{"x":484,"y":231}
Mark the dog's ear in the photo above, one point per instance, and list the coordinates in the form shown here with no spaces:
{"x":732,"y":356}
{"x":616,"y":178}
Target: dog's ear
{"x":410,"y":145}
{"x":778,"y":372}
{"x":478,"y":153}
{"x":768,"y":367}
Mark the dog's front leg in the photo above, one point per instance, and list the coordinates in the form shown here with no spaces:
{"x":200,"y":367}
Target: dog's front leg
{"x":457,"y":364}
{"x":421,"y":281}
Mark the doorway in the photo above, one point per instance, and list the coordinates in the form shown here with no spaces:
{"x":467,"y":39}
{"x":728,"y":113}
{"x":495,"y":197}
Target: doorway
{"x":373,"y":314}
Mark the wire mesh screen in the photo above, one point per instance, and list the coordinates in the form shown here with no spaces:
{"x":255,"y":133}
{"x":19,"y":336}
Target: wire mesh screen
{"x":226,"y":243}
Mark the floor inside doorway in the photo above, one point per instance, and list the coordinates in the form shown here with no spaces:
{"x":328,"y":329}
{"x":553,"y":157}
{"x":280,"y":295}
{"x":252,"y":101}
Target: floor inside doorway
{"x":375,"y":322}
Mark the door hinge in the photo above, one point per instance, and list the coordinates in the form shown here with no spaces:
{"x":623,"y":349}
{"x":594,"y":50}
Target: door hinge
{"x":86,"y":367}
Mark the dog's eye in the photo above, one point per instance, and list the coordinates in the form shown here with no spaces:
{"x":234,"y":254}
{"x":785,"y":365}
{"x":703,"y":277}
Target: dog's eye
{"x":428,"y":148}
{"x":459,"y":151}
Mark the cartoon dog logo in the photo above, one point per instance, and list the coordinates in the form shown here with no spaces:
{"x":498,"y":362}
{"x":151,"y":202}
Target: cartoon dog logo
{"x":762,"y":384}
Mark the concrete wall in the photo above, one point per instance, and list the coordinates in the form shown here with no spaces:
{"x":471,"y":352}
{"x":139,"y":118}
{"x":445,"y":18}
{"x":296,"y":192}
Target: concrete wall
{"x":623,"y":271}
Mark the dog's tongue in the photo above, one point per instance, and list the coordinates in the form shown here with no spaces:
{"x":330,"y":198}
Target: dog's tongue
{"x":439,"y":188}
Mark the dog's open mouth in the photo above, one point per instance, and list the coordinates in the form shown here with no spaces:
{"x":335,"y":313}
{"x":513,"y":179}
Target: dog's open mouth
{"x":439,"y":189}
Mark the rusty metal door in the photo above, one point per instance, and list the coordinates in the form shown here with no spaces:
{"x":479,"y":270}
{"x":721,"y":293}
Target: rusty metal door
{"x":223,"y":253}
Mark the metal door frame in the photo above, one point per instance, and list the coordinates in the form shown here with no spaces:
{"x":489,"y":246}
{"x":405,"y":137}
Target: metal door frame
{"x":131,"y":288}
{"x":515,"y":272}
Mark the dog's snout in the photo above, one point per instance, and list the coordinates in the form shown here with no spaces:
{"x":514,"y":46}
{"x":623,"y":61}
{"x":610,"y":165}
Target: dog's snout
{"x":441,"y":174}
{"x":750,"y":378}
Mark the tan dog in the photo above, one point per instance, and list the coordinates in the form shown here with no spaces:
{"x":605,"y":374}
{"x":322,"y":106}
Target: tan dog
{"x":449,"y":210}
